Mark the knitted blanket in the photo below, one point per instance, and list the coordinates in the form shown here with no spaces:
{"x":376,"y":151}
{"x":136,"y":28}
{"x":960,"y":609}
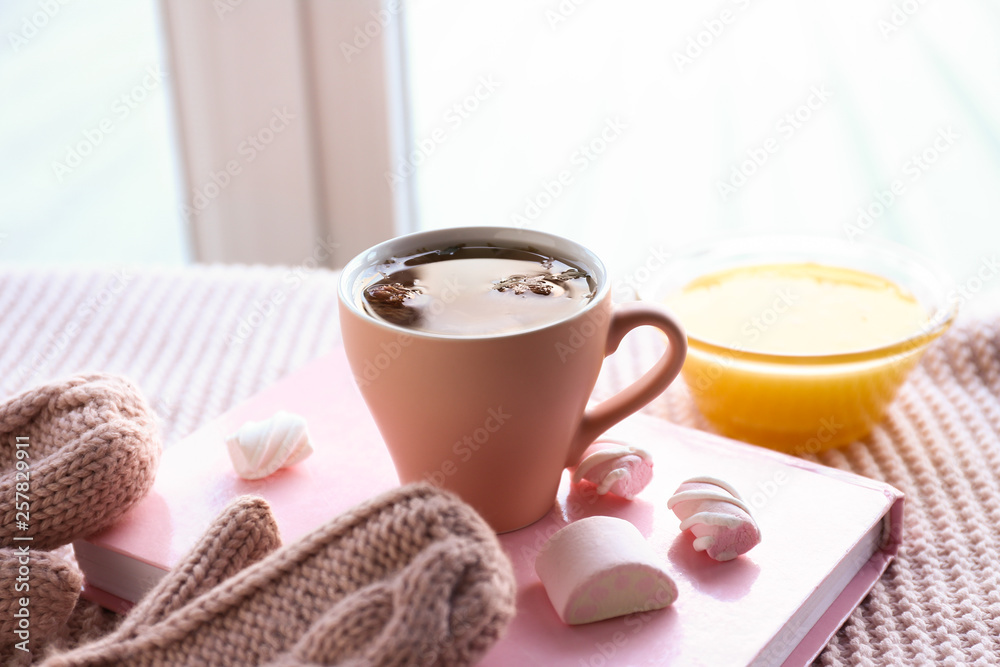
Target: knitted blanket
{"x":197,"y":341}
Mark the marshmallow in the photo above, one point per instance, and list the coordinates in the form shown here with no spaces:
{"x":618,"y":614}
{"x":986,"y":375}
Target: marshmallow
{"x":619,"y":468}
{"x":258,"y":449}
{"x":721,"y":522}
{"x":601,"y":567}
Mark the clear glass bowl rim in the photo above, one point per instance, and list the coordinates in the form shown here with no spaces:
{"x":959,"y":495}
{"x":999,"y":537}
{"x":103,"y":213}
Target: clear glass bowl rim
{"x":876,"y":256}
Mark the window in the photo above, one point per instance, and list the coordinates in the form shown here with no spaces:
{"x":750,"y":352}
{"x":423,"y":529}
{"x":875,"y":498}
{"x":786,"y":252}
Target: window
{"x":87,"y":165}
{"x":636,"y":126}
{"x":640,"y":123}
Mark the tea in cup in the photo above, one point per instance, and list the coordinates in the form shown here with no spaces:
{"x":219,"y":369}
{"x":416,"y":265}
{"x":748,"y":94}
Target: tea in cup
{"x":476,"y":350}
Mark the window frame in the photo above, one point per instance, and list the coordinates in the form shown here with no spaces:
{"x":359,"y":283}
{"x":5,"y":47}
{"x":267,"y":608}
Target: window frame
{"x":327,"y":93}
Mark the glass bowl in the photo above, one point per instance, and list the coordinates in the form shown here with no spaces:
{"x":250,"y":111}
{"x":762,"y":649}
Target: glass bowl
{"x":803,"y":402}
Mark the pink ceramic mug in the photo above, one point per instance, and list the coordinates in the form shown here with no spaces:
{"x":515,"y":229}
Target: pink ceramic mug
{"x":496,"y":418}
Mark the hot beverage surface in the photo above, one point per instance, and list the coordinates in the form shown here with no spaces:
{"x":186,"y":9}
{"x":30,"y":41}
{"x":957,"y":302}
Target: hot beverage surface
{"x":474,"y":290}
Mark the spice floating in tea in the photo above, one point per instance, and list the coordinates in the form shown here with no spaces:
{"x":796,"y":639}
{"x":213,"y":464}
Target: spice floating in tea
{"x":543,"y":284}
{"x":473,"y":290}
{"x":388,"y":301}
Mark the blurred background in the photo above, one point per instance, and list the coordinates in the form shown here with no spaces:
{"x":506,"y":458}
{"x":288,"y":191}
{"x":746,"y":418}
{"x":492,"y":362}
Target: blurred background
{"x":261,"y":131}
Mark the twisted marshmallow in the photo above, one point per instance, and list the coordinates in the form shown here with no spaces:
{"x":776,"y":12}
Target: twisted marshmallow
{"x":617,"y":467}
{"x":715,"y":513}
{"x":258,"y":449}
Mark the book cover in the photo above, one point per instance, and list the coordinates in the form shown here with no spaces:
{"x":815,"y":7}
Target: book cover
{"x":827,"y":535}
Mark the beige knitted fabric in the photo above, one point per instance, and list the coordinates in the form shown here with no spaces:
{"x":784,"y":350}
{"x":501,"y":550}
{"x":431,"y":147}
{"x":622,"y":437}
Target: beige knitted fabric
{"x":413,"y":577}
{"x":170,"y":331}
{"x":75,"y":455}
{"x":91,"y":453}
{"x":939,"y":602}
{"x":53,"y":586}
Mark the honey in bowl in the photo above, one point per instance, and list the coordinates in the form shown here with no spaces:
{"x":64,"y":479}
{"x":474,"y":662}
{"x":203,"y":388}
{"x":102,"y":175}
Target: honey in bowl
{"x":798,"y":356}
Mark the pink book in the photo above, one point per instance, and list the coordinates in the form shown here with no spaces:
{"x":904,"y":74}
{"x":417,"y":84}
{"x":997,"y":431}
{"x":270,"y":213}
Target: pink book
{"x":827,"y":535}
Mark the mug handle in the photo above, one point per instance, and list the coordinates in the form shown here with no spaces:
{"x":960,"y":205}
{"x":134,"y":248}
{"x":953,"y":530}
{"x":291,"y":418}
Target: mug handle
{"x":603,"y":416}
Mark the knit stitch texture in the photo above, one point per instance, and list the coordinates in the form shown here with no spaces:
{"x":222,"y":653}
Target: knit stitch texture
{"x":92,"y":451}
{"x":939,"y":601}
{"x":413,"y":577}
{"x":75,"y":455}
{"x":196,"y":343}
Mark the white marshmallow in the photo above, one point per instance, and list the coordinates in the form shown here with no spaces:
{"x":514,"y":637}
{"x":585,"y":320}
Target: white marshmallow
{"x":601,"y":567}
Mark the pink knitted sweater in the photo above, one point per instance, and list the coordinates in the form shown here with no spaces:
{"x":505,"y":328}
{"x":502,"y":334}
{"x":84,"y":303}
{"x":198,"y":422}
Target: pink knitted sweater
{"x":412,"y":577}
{"x":200,"y":340}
